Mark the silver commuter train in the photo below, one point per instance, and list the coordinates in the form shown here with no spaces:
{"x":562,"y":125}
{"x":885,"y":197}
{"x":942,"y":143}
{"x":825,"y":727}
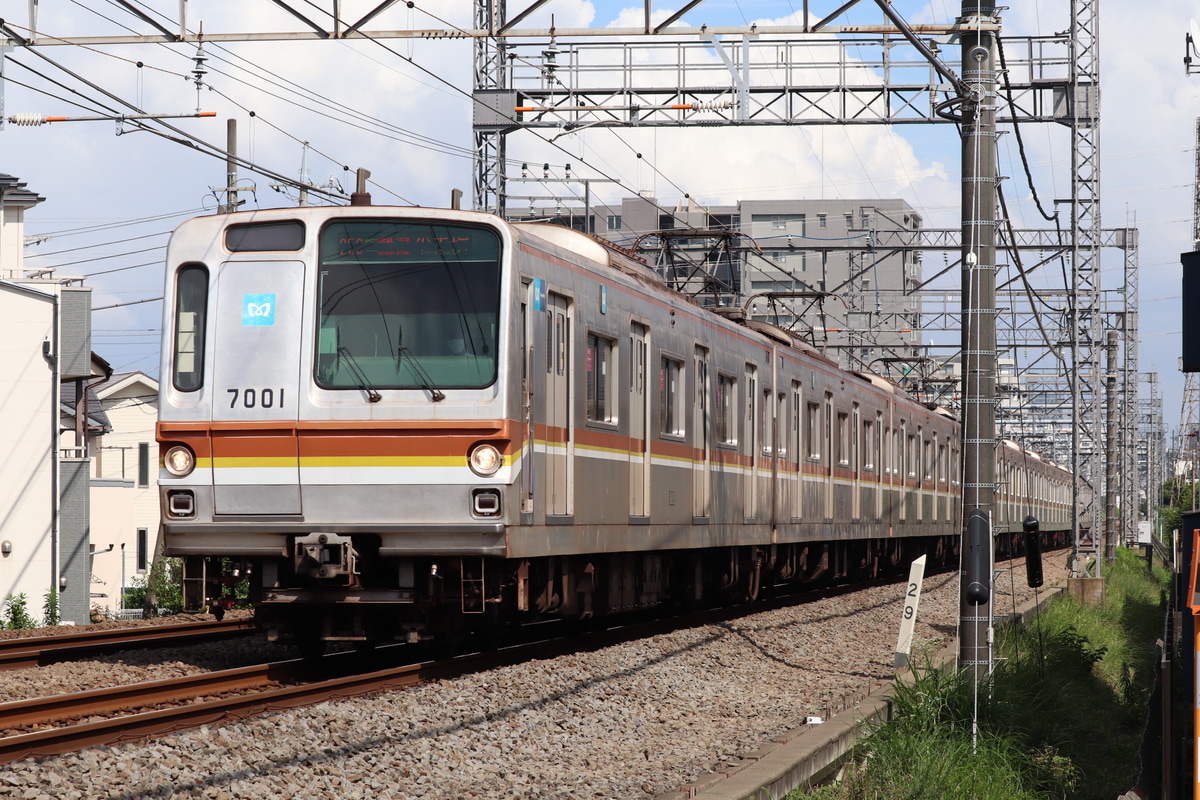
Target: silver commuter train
{"x":408,"y":423}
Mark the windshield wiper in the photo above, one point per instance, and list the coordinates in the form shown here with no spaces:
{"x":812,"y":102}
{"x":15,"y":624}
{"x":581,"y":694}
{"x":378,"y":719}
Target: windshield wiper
{"x":373,"y":396}
{"x":435,"y":394}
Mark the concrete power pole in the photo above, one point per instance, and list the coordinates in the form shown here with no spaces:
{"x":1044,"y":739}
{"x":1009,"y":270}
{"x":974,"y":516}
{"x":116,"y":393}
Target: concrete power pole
{"x":231,"y":195}
{"x":978,"y":331}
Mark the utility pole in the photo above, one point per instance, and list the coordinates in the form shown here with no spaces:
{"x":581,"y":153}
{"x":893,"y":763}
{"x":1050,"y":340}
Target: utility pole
{"x":978,"y":331}
{"x":231,"y":195}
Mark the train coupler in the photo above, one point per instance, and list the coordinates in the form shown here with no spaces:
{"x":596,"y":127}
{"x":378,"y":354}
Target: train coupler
{"x":325,"y":555}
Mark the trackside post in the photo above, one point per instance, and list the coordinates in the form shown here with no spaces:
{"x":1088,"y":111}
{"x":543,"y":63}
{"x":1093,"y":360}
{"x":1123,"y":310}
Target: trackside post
{"x":908,"y":617}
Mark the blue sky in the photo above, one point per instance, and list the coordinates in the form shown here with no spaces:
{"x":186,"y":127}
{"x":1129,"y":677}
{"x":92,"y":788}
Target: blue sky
{"x":404,"y":113}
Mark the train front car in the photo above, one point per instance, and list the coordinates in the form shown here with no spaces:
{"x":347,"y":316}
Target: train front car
{"x":337,"y":425}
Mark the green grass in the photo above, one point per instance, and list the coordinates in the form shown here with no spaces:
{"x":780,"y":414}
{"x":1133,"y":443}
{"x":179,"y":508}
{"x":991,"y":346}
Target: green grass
{"x":1061,"y":716}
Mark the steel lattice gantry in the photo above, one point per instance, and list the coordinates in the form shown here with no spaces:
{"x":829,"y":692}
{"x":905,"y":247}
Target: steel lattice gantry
{"x":827,"y":76}
{"x":701,"y":77}
{"x":813,"y":74}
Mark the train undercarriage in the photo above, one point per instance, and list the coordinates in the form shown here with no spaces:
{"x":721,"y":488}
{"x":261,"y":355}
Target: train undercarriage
{"x":337,"y":588}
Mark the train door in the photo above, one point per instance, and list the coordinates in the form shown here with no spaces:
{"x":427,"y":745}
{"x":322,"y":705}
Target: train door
{"x":751,"y":442}
{"x":256,"y":387}
{"x":639,"y":412}
{"x":558,"y":406}
{"x":701,"y":452}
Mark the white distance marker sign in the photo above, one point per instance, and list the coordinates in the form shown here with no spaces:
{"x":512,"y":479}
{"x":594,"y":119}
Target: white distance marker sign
{"x":908,"y":618}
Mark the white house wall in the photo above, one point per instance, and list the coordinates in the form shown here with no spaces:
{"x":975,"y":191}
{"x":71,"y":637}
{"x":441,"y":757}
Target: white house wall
{"x":28,"y":418}
{"x":120,"y":506}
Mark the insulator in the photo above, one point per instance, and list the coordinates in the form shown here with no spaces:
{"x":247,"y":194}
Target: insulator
{"x":28,"y":119}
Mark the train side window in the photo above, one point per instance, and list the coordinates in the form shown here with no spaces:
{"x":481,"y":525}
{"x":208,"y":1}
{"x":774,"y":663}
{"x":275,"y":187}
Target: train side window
{"x":726,"y":410}
{"x":856,"y":432}
{"x":191,"y":309}
{"x":813,"y":431}
{"x":670,"y":397}
{"x":765,"y":414}
{"x":869,"y":452}
{"x":827,"y":435}
{"x":638,"y":359}
{"x":562,"y":341}
{"x":843,"y":438}
{"x":601,"y":353}
{"x":794,"y":438}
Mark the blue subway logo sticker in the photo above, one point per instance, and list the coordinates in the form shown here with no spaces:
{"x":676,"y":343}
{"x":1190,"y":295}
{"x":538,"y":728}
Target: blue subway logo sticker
{"x":539,"y":294}
{"x":258,"y":309}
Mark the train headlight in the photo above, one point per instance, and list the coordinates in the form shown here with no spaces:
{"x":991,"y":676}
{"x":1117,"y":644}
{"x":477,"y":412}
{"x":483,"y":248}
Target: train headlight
{"x":485,"y":460}
{"x":179,"y":461}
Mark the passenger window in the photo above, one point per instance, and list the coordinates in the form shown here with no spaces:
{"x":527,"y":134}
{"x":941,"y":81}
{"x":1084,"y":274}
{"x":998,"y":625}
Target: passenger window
{"x":670,"y":414}
{"x":726,"y":411}
{"x":600,"y":377}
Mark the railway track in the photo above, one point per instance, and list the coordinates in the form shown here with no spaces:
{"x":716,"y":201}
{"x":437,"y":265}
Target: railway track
{"x":41,"y":650}
{"x":55,"y":725}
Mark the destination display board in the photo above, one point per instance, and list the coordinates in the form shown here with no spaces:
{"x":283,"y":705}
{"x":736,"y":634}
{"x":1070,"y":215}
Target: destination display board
{"x":392,"y":242}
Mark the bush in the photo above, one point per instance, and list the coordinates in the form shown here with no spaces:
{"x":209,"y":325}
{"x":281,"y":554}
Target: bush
{"x":162,"y":589}
{"x":16,"y":613}
{"x":50,"y":610}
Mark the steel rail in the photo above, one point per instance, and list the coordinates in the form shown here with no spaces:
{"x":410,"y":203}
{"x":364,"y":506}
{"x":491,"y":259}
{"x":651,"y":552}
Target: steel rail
{"x":333,"y":677}
{"x":39,"y":710}
{"x":138,"y":727}
{"x":34,"y":651}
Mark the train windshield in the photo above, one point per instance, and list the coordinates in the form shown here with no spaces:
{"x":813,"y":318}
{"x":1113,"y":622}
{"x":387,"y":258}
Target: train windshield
{"x":407,"y":305}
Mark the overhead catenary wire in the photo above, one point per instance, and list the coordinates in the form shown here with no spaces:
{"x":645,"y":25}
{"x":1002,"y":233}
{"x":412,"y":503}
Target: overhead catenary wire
{"x":550,"y":141}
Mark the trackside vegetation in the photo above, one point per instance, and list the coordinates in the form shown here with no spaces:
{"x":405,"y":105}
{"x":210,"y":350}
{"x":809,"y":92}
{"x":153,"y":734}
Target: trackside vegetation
{"x":1062,"y":715}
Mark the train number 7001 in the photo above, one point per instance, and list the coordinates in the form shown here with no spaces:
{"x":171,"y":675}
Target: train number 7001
{"x":256,"y":398}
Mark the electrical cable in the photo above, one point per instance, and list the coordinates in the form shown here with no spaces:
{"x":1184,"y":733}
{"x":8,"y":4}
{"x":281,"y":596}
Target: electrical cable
{"x":1012,"y":104}
{"x":103,"y":244}
{"x":550,"y":141}
{"x":1029,"y":293}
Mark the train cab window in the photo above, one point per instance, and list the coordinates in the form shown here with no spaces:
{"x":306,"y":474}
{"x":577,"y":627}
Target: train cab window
{"x":726,"y":414}
{"x":407,"y":304}
{"x":259,"y":237}
{"x":670,"y":397}
{"x":600,"y":378}
{"x":191,"y":309}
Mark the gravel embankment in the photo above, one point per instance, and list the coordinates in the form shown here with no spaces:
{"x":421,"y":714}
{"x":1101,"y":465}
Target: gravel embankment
{"x":630,"y":721}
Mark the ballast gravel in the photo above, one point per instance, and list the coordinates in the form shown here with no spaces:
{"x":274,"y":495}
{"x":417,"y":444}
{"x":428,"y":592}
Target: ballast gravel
{"x":630,"y":721}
